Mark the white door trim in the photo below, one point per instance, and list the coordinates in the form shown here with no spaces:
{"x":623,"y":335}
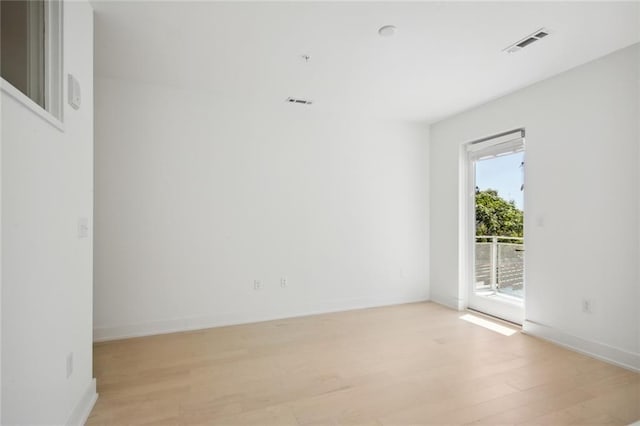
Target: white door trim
{"x":504,"y":307}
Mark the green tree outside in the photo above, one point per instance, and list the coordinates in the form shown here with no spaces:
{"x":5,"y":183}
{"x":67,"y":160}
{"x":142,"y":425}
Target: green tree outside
{"x":497,"y":216}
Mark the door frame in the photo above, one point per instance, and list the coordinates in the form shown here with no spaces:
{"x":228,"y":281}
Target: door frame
{"x":502,"y":306}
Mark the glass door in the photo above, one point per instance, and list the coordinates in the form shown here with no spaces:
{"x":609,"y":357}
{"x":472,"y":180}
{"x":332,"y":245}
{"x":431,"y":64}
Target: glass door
{"x":496,"y":218}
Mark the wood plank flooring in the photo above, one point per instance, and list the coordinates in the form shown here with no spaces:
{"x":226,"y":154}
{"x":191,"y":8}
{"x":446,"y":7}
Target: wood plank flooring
{"x":400,"y":365}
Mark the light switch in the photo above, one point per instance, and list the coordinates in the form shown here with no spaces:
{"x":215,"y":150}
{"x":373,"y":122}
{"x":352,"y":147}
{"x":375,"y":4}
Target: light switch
{"x":83,"y":227}
{"x":73,"y":89}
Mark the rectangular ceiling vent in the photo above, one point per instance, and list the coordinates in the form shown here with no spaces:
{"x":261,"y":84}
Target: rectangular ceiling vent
{"x":299,"y":101}
{"x":531,"y":38}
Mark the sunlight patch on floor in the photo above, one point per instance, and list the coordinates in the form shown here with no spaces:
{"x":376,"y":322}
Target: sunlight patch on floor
{"x":505,"y":331}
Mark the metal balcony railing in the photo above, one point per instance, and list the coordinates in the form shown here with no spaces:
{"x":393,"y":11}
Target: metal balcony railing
{"x":499,"y":264}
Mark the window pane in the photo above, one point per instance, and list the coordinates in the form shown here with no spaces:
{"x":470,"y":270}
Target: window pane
{"x":22,"y":47}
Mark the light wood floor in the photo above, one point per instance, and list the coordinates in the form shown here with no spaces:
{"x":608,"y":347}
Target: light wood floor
{"x":407,"y":364}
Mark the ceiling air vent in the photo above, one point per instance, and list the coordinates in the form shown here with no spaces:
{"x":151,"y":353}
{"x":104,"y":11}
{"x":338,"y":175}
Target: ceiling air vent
{"x":299,"y":101}
{"x":531,"y":38}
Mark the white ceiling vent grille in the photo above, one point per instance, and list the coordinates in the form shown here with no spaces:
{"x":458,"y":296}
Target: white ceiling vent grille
{"x":299,"y":101}
{"x":531,"y":38}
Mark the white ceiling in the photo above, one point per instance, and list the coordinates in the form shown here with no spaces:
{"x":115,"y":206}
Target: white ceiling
{"x":445,"y":57}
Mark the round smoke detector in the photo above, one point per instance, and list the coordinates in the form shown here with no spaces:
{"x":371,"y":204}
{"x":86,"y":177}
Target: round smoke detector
{"x":387,"y":31}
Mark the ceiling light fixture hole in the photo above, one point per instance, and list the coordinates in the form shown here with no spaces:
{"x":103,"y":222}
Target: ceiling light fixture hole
{"x":387,"y":31}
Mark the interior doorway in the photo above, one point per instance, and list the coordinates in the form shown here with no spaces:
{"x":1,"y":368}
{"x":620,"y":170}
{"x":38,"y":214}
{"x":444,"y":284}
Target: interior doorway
{"x":495,"y":217}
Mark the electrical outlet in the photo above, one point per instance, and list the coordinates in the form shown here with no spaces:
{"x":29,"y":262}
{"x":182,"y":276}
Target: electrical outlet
{"x":283,"y":282}
{"x":69,"y":364}
{"x":257,"y":285}
{"x":587,"y":306}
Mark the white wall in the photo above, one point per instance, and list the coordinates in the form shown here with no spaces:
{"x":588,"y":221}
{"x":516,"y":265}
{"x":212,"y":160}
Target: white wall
{"x":198,"y":196}
{"x":582,"y":182}
{"x":47,"y":270}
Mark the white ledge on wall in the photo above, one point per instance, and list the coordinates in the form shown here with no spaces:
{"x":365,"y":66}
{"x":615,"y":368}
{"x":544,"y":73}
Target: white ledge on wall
{"x":602,"y":351}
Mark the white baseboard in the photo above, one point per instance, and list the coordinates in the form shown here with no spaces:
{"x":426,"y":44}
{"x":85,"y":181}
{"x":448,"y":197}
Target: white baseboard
{"x":81,"y":412}
{"x":449,"y":302}
{"x":601,"y":351}
{"x":102,"y":334}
